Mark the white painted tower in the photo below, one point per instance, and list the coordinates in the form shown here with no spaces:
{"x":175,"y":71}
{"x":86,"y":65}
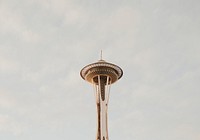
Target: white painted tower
{"x":102,"y":74}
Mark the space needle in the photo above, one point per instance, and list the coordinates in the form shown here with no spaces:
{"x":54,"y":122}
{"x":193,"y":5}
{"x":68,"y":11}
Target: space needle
{"x":101,"y":75}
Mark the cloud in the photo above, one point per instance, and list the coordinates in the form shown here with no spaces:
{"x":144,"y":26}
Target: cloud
{"x":8,"y":66}
{"x":10,"y":125}
{"x":12,"y":25}
{"x":44,"y":44}
{"x":6,"y":100}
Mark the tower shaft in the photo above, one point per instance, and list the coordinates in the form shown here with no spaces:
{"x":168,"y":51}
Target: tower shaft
{"x":102,"y":86}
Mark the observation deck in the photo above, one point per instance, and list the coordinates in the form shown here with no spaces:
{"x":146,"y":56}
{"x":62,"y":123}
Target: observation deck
{"x":101,"y":68}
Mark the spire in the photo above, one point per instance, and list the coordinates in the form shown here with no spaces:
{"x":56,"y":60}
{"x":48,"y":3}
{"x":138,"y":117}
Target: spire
{"x":101,"y":55}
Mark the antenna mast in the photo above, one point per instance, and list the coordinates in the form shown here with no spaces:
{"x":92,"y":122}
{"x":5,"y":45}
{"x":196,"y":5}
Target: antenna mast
{"x":101,"y":55}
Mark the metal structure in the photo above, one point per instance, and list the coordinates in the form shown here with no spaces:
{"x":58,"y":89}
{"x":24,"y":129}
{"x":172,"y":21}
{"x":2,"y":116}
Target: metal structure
{"x":101,"y":74}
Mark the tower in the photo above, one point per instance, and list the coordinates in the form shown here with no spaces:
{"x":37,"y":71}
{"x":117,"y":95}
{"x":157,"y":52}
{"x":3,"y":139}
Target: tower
{"x":101,"y":74}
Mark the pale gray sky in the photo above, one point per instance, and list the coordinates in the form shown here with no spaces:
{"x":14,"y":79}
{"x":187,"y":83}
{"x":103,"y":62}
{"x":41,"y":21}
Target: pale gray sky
{"x":45,"y":43}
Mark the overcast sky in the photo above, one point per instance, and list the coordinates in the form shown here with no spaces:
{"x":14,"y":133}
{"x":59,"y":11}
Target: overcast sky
{"x":45,"y":43}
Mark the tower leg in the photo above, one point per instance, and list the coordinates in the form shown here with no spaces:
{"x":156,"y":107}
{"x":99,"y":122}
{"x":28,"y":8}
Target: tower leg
{"x":102,"y":102}
{"x":98,"y":122}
